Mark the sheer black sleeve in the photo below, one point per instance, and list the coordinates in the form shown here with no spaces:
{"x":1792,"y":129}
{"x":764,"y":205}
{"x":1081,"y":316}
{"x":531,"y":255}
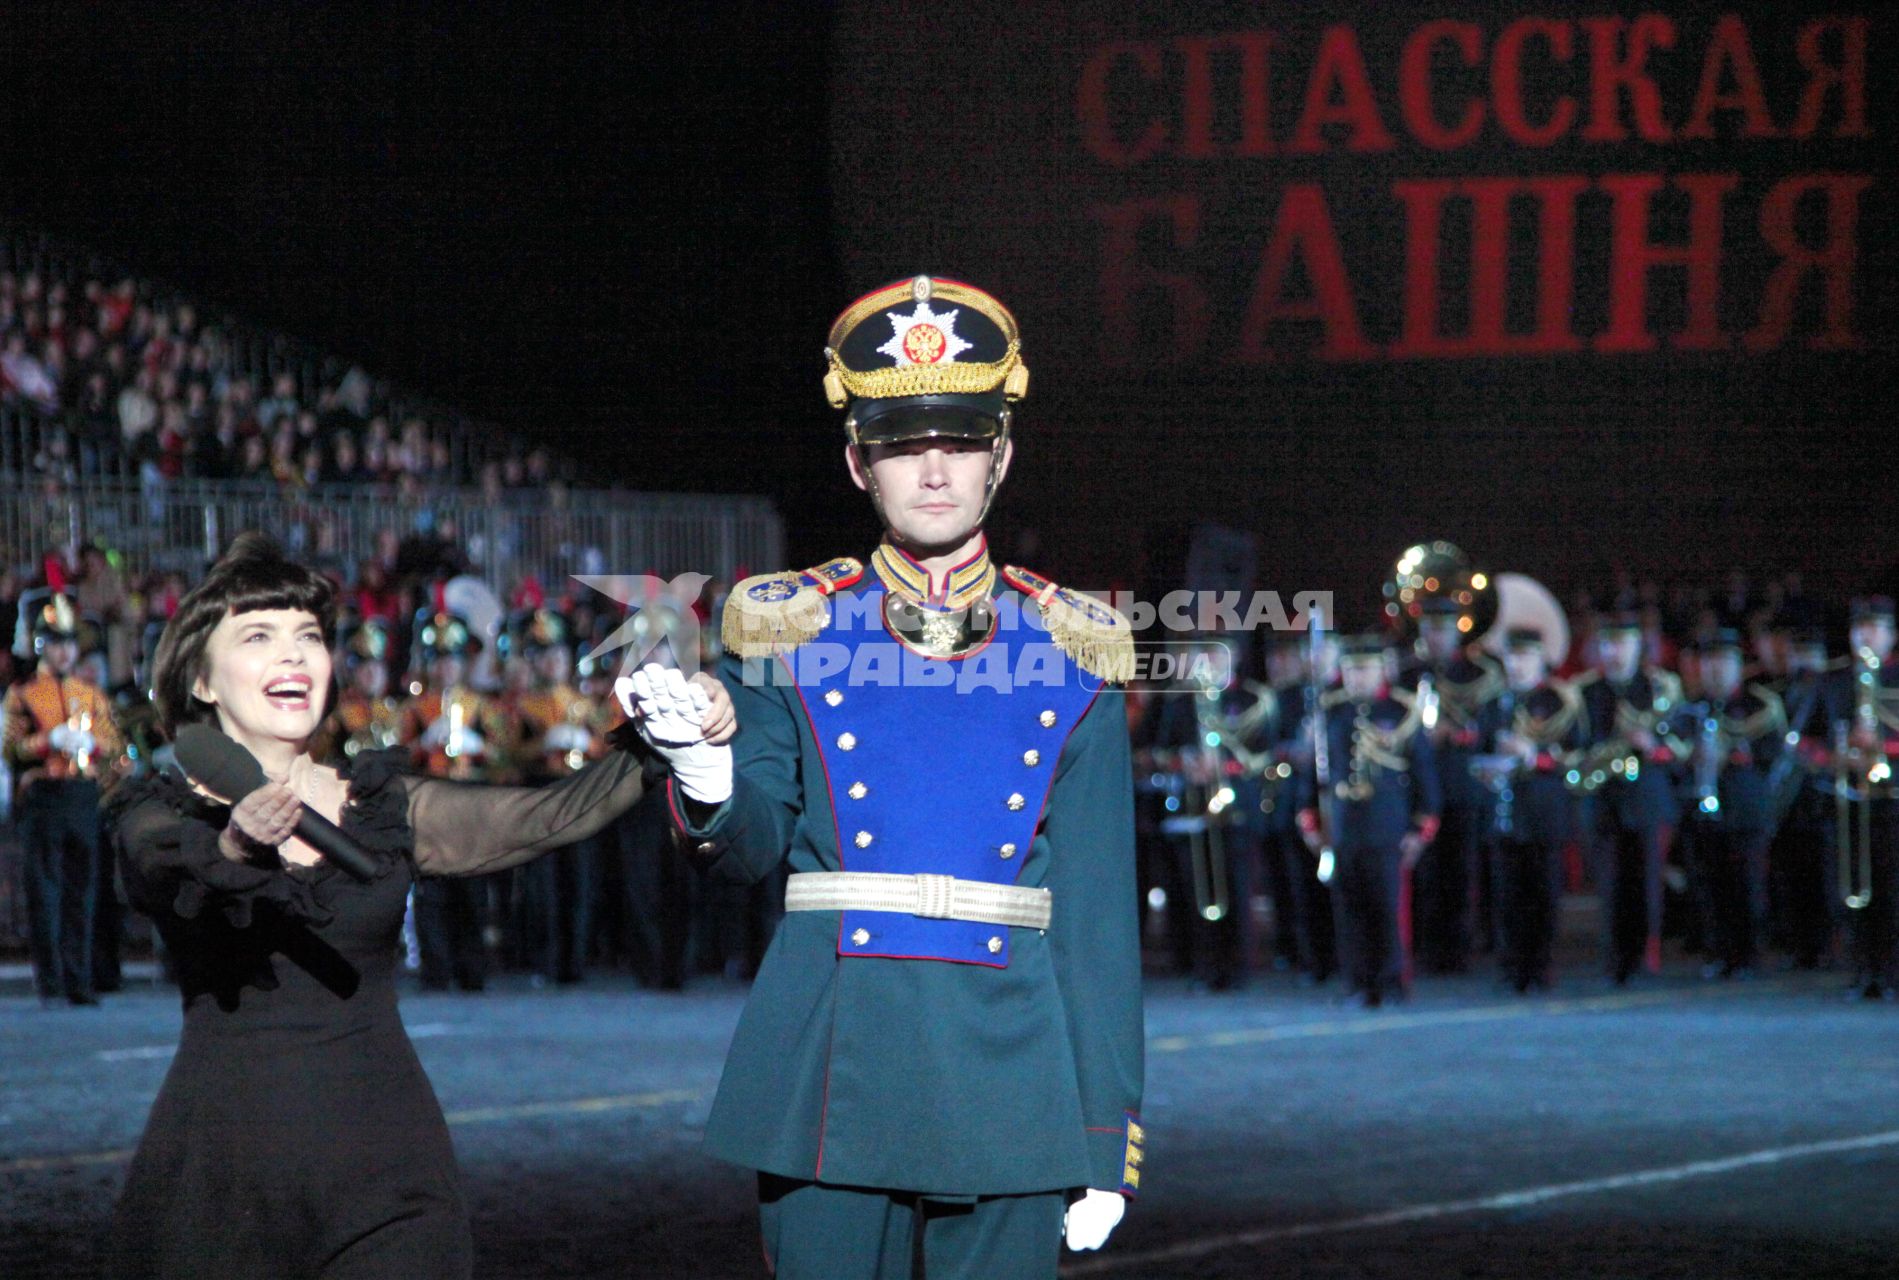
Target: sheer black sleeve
{"x":466,"y":828}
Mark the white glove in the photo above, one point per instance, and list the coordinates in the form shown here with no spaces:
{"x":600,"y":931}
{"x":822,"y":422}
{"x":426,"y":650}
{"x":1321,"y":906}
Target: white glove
{"x":670,"y":715}
{"x":60,"y":738}
{"x":566,"y":737}
{"x":1090,"y":1219}
{"x":436,"y":734}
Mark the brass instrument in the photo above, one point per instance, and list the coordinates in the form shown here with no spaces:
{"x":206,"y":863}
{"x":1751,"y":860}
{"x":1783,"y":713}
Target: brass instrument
{"x":1617,"y":756}
{"x":1207,"y":796}
{"x":382,"y":730}
{"x":1859,"y":778}
{"x":577,"y":714}
{"x":1498,"y":772}
{"x":455,"y":706}
{"x":1321,"y":744}
{"x":1437,"y":570}
{"x":1710,"y":747}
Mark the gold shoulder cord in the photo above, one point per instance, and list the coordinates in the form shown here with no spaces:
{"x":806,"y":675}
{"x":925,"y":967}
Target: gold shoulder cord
{"x":1547,"y":731}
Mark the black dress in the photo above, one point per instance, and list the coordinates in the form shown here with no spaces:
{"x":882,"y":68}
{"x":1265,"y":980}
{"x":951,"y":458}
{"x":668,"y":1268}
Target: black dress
{"x":296,"y":1134}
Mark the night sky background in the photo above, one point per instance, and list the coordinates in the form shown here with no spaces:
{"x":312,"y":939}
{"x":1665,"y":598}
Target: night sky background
{"x":624,"y":229}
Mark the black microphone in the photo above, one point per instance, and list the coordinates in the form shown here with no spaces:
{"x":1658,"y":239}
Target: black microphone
{"x":227,"y":769}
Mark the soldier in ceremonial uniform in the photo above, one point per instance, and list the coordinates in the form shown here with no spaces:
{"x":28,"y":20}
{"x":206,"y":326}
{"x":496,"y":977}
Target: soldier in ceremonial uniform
{"x":60,"y":741}
{"x":1630,"y":771}
{"x":455,"y":732}
{"x":1537,"y":724}
{"x":1450,"y":876}
{"x":561,"y":730}
{"x":945,"y":1038}
{"x":1377,"y":810}
{"x":1737,"y":731}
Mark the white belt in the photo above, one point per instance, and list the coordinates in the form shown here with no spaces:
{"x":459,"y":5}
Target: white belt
{"x":932,"y":897}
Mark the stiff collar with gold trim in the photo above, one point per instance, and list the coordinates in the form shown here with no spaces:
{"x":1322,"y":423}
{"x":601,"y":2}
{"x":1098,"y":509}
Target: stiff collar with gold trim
{"x":957,"y":589}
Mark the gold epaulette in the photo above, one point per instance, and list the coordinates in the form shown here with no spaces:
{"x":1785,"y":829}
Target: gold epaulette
{"x":776,"y":612}
{"x":1097,"y":637}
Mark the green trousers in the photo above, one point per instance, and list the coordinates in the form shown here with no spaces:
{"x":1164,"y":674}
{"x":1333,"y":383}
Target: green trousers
{"x":819,"y":1232}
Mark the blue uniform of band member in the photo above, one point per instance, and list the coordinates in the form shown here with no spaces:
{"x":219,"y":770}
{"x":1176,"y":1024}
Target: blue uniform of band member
{"x":945,"y":1037}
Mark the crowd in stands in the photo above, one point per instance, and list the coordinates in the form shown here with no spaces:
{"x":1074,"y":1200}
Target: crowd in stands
{"x":130,"y":380}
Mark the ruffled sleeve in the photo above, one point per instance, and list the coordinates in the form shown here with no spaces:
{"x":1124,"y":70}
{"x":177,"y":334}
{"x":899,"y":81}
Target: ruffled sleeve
{"x":166,"y":837}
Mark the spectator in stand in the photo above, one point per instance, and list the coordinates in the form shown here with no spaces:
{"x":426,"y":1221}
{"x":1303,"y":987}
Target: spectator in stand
{"x":374,"y":596}
{"x":283,"y":454}
{"x":138,"y":410}
{"x":281,"y":401}
{"x":173,"y":436}
{"x":310,"y":466}
{"x":346,"y":464}
{"x":254,"y":460}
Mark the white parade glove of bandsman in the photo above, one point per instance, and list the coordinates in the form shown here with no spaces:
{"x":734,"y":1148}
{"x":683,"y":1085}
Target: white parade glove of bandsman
{"x":61,"y":737}
{"x":566,"y":737}
{"x":670,"y":715}
{"x":1090,"y":1219}
{"x":436,"y":734}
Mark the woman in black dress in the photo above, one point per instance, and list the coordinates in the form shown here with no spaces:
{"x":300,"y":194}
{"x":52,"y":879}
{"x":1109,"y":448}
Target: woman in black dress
{"x":296,"y":1134}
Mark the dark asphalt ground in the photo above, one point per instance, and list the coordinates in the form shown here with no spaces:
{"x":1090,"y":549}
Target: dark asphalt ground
{"x":1675,"y":1131}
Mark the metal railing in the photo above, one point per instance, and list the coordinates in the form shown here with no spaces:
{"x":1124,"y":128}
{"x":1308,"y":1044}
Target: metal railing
{"x":553,"y":533}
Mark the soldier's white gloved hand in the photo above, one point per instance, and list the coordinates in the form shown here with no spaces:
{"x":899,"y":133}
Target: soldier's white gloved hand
{"x":83,"y":742}
{"x":1090,"y":1219}
{"x":670,"y":714}
{"x":436,"y":734}
{"x":567,"y":737}
{"x":470,"y":744}
{"x":60,"y":738}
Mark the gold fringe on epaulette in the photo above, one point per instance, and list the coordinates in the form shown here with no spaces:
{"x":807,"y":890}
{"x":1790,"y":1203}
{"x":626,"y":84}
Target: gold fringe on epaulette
{"x":1101,"y":648}
{"x":755,"y":628}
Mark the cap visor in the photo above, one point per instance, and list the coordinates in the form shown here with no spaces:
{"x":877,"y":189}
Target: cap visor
{"x":950,"y":417}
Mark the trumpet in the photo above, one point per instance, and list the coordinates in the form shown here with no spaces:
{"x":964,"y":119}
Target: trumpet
{"x":1860,"y":777}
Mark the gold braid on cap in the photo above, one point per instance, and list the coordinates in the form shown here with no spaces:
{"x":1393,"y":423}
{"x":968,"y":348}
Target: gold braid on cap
{"x":928,"y":379}
{"x":949,"y":378}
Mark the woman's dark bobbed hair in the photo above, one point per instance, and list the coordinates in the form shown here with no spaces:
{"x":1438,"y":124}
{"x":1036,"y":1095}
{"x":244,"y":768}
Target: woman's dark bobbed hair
{"x":252,"y":575}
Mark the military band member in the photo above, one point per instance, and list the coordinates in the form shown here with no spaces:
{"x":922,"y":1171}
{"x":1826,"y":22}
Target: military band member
{"x":1866,"y":730}
{"x":1536,"y":725}
{"x":1304,"y":679}
{"x":1450,"y":876}
{"x":60,"y":742}
{"x":945,"y":1037}
{"x":1801,"y":860}
{"x":1279,"y":833}
{"x":1737,"y":731}
{"x":1378,"y":811}
{"x":1631,"y":771}
{"x":367,"y":718}
{"x":561,"y":730}
{"x":1215,"y":740}
{"x":455,"y":732}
